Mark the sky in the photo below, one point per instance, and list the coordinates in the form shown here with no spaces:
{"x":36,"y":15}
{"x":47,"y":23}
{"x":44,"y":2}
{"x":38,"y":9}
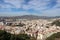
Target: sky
{"x":30,"y":7}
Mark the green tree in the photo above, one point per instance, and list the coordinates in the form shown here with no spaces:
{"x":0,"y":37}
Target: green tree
{"x":4,"y":35}
{"x":7,"y":36}
{"x":23,"y":37}
{"x":55,"y":35}
{"x":56,"y":22}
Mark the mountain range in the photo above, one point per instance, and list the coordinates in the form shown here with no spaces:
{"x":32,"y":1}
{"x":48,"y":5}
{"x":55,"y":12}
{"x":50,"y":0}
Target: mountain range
{"x":29,"y":17}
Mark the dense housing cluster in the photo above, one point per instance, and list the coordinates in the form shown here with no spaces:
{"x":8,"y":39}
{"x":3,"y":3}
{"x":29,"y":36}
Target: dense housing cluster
{"x":39,"y":28}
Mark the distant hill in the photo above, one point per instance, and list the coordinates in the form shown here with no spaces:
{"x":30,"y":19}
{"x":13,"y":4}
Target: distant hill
{"x":30,"y":17}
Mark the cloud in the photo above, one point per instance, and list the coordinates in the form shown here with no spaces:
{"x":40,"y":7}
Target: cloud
{"x":13,"y":3}
{"x":38,"y":7}
{"x":58,"y":4}
{"x":29,"y":4}
{"x":4,"y":4}
{"x":40,"y":4}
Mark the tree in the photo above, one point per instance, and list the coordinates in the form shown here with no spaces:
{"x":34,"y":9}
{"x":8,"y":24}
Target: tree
{"x":55,"y":35}
{"x":56,"y":22}
{"x":7,"y":36}
{"x":23,"y":37}
{"x":4,"y":35}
